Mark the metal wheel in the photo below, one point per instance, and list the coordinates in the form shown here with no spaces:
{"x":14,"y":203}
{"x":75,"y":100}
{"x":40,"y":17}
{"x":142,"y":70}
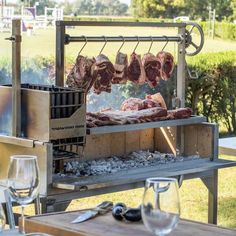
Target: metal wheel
{"x":191,"y":37}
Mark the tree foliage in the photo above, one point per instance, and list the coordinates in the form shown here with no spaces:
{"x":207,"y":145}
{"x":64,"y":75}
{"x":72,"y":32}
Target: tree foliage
{"x":95,"y":7}
{"x":193,"y":8}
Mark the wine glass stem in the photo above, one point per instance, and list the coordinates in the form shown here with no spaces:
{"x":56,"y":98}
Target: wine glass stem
{"x":23,"y":219}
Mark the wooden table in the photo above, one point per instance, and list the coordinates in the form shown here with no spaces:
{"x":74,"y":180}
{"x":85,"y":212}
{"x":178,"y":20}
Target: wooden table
{"x":58,"y":224}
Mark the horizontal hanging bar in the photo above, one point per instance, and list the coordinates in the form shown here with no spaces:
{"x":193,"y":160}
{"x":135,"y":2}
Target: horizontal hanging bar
{"x":71,"y":39}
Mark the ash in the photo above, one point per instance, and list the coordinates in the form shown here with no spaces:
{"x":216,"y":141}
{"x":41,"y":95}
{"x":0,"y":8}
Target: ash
{"x":117,"y":163}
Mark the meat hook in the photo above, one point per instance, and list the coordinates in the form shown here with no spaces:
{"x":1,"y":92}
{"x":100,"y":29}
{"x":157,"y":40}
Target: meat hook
{"x":122,"y":43}
{"x":103,"y":45}
{"x":150,"y":44}
{"x":136,"y":44}
{"x":86,"y":41}
{"x":167,"y":41}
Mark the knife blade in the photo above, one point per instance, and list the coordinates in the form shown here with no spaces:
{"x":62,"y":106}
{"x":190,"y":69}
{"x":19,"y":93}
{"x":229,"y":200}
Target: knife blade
{"x":100,"y":209}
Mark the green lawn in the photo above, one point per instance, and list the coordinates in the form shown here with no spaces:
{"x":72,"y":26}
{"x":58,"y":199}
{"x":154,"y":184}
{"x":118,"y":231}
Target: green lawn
{"x":43,"y":42}
{"x":193,"y":193}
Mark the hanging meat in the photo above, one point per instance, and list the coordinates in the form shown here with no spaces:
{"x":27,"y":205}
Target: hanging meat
{"x":166,"y":61}
{"x":136,"y":72}
{"x":80,"y":75}
{"x":152,"y":67}
{"x":121,"y":66}
{"x":103,"y":72}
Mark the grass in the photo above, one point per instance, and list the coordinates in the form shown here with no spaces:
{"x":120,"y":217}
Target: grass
{"x":193,"y":193}
{"x":43,"y":42}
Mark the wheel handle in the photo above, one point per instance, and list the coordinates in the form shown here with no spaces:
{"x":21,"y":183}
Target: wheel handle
{"x":189,"y":38}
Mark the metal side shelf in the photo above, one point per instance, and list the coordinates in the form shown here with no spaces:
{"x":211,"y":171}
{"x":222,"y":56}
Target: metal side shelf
{"x":132,"y":176}
{"x":147,"y":125}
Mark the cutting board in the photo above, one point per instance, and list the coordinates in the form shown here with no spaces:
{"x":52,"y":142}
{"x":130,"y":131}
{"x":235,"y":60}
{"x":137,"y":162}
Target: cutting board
{"x":58,"y":224}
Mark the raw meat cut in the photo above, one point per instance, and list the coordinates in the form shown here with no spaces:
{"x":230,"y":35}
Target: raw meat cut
{"x":157,"y":97}
{"x":125,"y":117}
{"x":130,"y":104}
{"x":180,"y":113}
{"x":155,"y":100}
{"x":136,"y":72}
{"x":121,"y":66}
{"x":103,"y":72}
{"x":167,"y":64}
{"x":80,"y":75}
{"x":152,"y":67}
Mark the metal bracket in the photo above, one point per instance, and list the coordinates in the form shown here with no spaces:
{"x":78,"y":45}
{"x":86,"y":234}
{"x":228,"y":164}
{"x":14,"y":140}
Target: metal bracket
{"x":192,"y":74}
{"x":15,"y":38}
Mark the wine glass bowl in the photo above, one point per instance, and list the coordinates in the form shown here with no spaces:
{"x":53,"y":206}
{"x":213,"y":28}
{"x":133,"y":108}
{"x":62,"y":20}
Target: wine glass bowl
{"x":23,"y":180}
{"x":160,"y":207}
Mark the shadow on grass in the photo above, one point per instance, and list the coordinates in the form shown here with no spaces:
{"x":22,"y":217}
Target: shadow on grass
{"x":227,"y":212}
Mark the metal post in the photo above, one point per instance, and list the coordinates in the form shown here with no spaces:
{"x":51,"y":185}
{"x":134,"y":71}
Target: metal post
{"x":180,"y":100}
{"x":211,"y":183}
{"x":60,"y":52}
{"x":181,"y":69}
{"x":16,"y":77}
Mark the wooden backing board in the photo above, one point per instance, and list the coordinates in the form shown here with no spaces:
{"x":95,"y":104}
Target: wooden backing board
{"x":59,"y":225}
{"x":197,"y":141}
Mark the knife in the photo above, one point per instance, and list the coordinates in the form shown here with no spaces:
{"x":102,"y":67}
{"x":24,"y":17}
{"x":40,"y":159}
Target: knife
{"x":100,"y":209}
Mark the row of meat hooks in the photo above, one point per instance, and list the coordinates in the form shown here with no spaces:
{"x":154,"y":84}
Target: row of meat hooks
{"x":123,"y":39}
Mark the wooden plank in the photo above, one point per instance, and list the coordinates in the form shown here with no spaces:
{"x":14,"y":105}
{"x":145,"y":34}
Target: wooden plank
{"x":205,"y":140}
{"x":117,"y":143}
{"x":165,"y":139}
{"x":59,"y":225}
{"x":148,"y":125}
{"x":98,"y":146}
{"x":190,"y":140}
{"x":147,"y":139}
{"x":132,"y":141}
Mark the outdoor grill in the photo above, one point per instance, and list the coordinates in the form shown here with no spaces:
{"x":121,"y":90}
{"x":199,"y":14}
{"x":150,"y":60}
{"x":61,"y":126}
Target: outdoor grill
{"x":52,"y":125}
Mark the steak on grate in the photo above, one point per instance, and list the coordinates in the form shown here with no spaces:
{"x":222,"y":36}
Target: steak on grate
{"x":80,"y":75}
{"x":121,"y":66}
{"x":132,"y":104}
{"x":135,"y":104}
{"x":180,"y":113}
{"x":103,"y":72}
{"x":136,"y":72}
{"x":152,"y":68}
{"x":166,"y":61}
{"x":125,"y":117}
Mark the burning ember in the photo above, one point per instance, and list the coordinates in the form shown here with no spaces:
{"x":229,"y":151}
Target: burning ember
{"x":114,"y":164}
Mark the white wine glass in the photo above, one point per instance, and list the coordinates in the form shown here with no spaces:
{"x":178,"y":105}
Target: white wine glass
{"x":23,"y":181}
{"x":161,"y":207}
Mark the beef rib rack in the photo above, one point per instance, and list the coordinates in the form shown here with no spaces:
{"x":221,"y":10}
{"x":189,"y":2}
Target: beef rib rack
{"x":103,"y":72}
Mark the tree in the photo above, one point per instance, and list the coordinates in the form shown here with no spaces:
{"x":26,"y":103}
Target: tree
{"x":194,"y":8}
